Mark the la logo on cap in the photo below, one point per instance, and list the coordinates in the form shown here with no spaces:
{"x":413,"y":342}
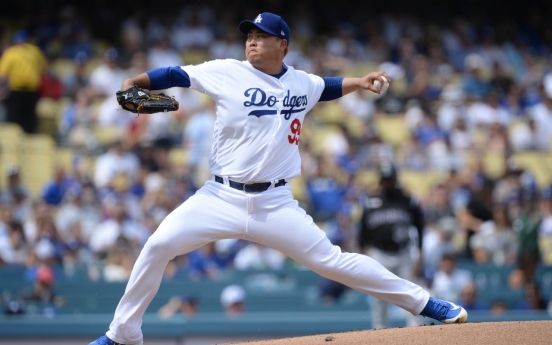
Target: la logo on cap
{"x":258,"y":19}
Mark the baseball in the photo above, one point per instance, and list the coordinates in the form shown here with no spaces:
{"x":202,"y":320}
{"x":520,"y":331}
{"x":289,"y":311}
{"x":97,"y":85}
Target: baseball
{"x":379,"y":85}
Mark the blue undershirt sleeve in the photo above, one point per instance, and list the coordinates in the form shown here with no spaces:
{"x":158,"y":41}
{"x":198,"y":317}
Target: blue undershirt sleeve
{"x":167,"y":77}
{"x":332,"y":89}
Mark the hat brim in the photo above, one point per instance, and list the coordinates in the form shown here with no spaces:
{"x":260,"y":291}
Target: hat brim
{"x":246,"y":26}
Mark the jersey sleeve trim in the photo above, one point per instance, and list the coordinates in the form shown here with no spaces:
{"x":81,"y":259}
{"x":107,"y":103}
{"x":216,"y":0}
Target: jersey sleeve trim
{"x":332,"y":89}
{"x":167,"y":77}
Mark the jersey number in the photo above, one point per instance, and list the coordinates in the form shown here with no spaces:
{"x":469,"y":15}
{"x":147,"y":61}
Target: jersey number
{"x":296,"y":132}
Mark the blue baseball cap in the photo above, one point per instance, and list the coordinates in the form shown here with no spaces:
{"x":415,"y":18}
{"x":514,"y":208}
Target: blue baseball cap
{"x":269,"y":23}
{"x":20,"y":36}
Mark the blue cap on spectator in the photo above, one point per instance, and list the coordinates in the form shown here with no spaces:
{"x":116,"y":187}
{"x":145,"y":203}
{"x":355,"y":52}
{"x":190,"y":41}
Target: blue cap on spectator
{"x":269,"y":23}
{"x":111,"y":54}
{"x":547,"y":193}
{"x":20,"y":36}
{"x":81,"y":58}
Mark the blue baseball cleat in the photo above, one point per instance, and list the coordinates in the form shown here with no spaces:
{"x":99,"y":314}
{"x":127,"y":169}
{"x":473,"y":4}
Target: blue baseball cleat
{"x":104,"y":340}
{"x":444,"y":311}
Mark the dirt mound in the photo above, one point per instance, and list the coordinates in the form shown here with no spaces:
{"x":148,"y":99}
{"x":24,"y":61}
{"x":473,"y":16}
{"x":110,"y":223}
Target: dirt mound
{"x":485,"y":333}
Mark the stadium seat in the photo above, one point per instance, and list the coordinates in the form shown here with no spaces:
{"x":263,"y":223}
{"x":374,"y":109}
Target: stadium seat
{"x":538,"y":164}
{"x":367,"y":178}
{"x":330,"y":113}
{"x":107,"y":135}
{"x":65,"y":157}
{"x":62,"y":68}
{"x":37,"y":161}
{"x":494,"y":164}
{"x":298,"y":187}
{"x":10,"y":139}
{"x":420,"y":183}
{"x":48,"y":111}
{"x":178,"y":157}
{"x":392,"y":129}
{"x":318,"y":135}
{"x":195,"y":56}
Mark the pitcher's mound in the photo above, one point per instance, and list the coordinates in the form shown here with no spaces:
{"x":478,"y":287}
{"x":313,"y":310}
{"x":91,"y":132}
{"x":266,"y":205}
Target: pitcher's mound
{"x":486,"y":333}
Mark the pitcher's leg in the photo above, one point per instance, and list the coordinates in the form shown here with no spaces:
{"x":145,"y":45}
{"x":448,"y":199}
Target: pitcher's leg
{"x":291,"y":231}
{"x":182,"y":231}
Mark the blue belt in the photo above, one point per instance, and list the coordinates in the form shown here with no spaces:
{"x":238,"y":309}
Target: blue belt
{"x":250,"y":187}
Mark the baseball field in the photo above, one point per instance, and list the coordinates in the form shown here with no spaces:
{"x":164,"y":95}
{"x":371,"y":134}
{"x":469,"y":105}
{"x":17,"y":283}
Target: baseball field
{"x":485,"y":333}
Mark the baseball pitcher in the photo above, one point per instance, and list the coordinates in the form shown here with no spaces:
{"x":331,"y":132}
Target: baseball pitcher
{"x":261,"y":104}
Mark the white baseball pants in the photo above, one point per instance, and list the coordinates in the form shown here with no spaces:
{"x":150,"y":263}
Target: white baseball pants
{"x":272,"y":218}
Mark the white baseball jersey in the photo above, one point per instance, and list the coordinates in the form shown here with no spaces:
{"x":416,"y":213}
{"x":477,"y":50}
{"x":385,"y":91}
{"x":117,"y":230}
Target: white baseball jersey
{"x":259,"y":118}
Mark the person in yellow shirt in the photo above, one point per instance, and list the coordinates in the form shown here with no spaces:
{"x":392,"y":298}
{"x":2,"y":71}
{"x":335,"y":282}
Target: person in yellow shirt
{"x":21,"y":67}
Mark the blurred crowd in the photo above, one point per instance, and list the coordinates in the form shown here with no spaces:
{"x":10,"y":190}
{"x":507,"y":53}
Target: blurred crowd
{"x":463,"y":89}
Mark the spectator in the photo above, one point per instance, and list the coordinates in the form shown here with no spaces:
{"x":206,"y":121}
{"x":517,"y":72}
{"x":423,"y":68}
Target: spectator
{"x":325,"y":194}
{"x":54,"y":191}
{"x":78,"y":78}
{"x":228,"y":47}
{"x":115,"y":161}
{"x":80,"y":207}
{"x":15,"y":188}
{"x":331,"y":291}
{"x":194,"y":33}
{"x":108,"y":77}
{"x":42,"y":294}
{"x":525,"y":136}
{"x":187,"y":305}
{"x":501,"y":82}
{"x":232,"y":299}
{"x":495,"y":241}
{"x":448,"y":280}
{"x":119,"y":265}
{"x":50,"y":245}
{"x":197,"y":142}
{"x":162,"y":55}
{"x":453,"y":107}
{"x":438,"y":241}
{"x":498,"y":308}
{"x":473,"y":218}
{"x":256,"y":256}
{"x":545,"y":229}
{"x":78,"y":120}
{"x":473,"y":84}
{"x":533,"y":298}
{"x":105,"y":236}
{"x":497,"y":140}
{"x":468,"y":298}
{"x":138,"y":63}
{"x":13,"y":247}
{"x":206,"y":263}
{"x":359,"y":105}
{"x":21,"y":66}
{"x":542,"y":113}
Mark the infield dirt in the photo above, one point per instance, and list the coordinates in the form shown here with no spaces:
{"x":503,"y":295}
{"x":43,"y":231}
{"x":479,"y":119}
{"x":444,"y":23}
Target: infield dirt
{"x":486,"y":333}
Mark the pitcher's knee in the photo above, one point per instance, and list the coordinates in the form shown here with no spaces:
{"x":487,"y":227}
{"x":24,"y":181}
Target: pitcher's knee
{"x":329,"y":265}
{"x":159,"y":248}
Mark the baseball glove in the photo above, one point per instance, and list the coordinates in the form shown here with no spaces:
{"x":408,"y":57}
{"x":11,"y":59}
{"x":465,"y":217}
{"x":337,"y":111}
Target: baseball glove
{"x":145,"y":102}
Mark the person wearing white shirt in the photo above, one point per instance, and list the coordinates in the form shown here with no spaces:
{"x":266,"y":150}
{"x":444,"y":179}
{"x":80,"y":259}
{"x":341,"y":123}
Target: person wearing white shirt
{"x":448,"y":280}
{"x":107,"y":77}
{"x":107,"y":233}
{"x":114,"y":162}
{"x":163,"y":55}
